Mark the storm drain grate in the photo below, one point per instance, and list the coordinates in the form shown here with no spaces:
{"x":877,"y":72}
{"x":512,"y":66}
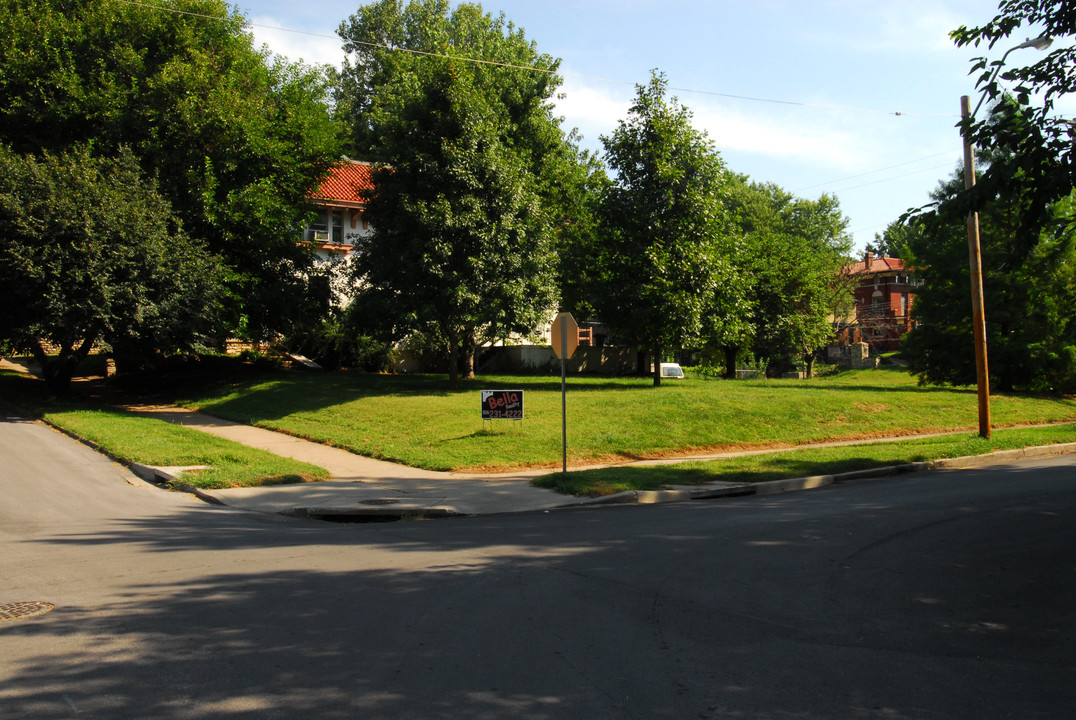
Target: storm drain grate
{"x":23,"y":610}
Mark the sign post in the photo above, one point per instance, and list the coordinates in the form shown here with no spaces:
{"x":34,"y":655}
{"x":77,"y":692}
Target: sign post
{"x":564,"y":337}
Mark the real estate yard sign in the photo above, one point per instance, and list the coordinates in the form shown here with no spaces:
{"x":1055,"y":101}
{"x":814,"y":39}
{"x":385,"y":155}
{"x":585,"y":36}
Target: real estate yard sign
{"x":502,"y":404}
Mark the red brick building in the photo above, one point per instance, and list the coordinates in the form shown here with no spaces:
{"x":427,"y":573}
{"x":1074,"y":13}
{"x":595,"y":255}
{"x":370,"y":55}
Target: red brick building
{"x":884,"y":297}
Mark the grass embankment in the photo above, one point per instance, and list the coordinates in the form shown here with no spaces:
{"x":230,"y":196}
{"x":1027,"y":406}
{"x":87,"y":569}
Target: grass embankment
{"x":128,"y":437}
{"x":805,"y":462}
{"x":417,"y":420}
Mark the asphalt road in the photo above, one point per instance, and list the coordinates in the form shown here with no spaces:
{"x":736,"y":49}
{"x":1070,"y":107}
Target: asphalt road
{"x":944,"y":595}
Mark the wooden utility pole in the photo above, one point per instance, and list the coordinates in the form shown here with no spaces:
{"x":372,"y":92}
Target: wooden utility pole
{"x":978,"y":319}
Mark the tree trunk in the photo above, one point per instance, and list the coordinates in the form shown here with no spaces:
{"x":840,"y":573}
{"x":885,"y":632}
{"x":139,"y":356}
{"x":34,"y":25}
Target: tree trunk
{"x":453,"y":357}
{"x":657,"y":365}
{"x":469,"y":347}
{"x":730,"y":361}
{"x":809,"y":358}
{"x":58,"y":371}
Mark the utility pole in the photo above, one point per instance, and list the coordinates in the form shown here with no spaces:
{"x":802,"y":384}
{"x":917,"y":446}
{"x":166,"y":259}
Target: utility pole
{"x":978,"y":319}
{"x":982,"y":373}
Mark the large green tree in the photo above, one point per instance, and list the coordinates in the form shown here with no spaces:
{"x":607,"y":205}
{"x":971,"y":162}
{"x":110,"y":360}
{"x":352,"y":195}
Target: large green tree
{"x":1029,"y":291}
{"x":794,"y":252}
{"x":665,"y":234}
{"x":469,"y":198}
{"x":234,"y":138}
{"x":1034,"y":153}
{"x":892,"y":241}
{"x":90,"y":253}
{"x":1024,"y":199}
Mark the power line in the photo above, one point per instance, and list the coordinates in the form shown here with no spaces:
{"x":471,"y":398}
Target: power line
{"x":896,"y":177}
{"x":871,"y":172}
{"x":595,"y":78}
{"x":480,"y":61}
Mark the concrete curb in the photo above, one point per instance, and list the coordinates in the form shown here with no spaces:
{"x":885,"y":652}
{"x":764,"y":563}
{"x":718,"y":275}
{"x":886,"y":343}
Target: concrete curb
{"x":774,"y":487}
{"x":653,"y":497}
{"x":170,"y":477}
{"x":973,"y":461}
{"x":344,"y":514}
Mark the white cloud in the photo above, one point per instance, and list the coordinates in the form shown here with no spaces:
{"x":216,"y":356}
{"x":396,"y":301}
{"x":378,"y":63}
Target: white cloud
{"x":918,"y":27}
{"x":910,"y":27}
{"x":824,"y":140}
{"x":594,"y":111}
{"x":311,"y":48}
{"x":804,"y":138}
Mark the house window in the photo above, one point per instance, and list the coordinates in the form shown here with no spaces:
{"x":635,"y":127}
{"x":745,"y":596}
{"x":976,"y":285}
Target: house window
{"x":904,"y":304}
{"x":320,"y":227}
{"x":328,"y":227}
{"x":338,"y":226}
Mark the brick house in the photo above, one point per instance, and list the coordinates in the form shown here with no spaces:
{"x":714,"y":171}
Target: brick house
{"x":884,"y":297}
{"x":340,"y":205}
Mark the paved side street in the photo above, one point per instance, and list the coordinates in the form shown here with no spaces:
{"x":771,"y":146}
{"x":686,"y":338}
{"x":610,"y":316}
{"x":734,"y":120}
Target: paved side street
{"x":925,"y":596}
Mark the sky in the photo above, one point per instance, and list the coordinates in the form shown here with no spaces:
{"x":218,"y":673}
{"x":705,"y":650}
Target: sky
{"x":854,"y":98}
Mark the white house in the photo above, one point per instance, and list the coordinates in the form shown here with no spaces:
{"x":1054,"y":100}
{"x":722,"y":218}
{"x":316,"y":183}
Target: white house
{"x":339,"y":201}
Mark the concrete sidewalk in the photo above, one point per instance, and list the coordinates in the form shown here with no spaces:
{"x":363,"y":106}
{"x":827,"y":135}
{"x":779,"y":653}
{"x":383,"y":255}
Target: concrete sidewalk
{"x":358,"y":485}
{"x":362,"y":487}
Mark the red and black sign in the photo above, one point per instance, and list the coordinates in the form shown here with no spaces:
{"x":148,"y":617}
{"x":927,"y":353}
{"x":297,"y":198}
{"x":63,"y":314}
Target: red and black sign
{"x":502,"y":404}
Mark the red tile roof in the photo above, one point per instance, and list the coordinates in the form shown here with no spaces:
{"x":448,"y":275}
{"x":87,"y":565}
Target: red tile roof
{"x":345,"y":184}
{"x":877,"y":265}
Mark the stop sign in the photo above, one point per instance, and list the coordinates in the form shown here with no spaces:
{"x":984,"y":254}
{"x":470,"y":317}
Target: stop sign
{"x":564,"y":335}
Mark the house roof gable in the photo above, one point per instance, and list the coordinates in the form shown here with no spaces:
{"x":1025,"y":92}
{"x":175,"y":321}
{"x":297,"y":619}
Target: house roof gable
{"x":877,"y":265}
{"x":345,"y":184}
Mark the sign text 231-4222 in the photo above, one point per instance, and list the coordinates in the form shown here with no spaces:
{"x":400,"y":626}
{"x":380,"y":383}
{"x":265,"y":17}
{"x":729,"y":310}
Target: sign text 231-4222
{"x":502,"y":404}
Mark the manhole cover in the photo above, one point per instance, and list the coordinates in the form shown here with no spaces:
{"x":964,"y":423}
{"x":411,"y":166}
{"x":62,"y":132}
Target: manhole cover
{"x":379,"y":501}
{"x":23,"y":610}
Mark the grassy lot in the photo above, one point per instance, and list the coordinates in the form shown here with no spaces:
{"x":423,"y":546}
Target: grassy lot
{"x":155,"y":442}
{"x":800,"y":463}
{"x":417,"y":420}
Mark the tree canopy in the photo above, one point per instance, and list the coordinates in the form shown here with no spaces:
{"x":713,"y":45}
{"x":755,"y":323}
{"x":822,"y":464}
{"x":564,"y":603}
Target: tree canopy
{"x":664,"y":257}
{"x":234,"y":138}
{"x":475,"y":171}
{"x":892,"y":241}
{"x":795,"y":250}
{"x":1029,"y":290}
{"x":89,"y":253}
{"x":1024,"y":197}
{"x":1036,"y":155}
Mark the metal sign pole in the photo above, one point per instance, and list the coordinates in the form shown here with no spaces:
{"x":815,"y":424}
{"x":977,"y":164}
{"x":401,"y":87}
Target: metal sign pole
{"x":563,"y":396}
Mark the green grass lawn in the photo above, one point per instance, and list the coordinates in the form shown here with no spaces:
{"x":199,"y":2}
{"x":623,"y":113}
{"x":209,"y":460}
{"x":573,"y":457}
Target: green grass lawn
{"x":155,"y":442}
{"x":417,"y":420}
